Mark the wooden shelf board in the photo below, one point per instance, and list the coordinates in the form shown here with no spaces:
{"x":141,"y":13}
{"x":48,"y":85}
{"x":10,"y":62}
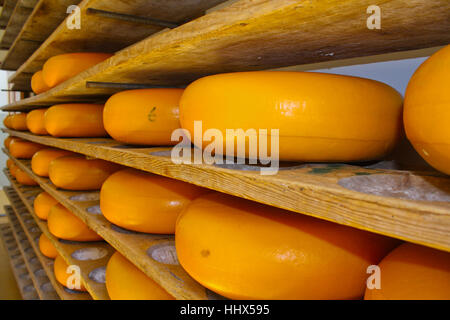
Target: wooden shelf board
{"x":7,"y":10}
{"x":311,"y":189}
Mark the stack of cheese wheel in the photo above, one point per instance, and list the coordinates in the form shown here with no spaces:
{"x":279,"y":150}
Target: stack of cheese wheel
{"x":80,"y":173}
{"x":47,"y":248}
{"x":63,"y":224}
{"x":23,"y":178}
{"x":150,"y":118}
{"x":245,"y":250}
{"x":42,"y":205}
{"x":41,"y":160}
{"x":38,"y":84}
{"x":75,"y":120}
{"x":320,"y":117}
{"x":413,"y":272}
{"x":124,"y":281}
{"x":65,"y":66}
{"x":18,"y":122}
{"x":427,"y":111}
{"x":148,"y":203}
{"x":60,"y":268}
{"x":36,"y":123}
{"x":23,"y":149}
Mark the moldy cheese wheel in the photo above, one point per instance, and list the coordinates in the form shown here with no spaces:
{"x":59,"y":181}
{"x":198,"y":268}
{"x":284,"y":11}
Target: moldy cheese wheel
{"x":245,"y":250}
{"x":150,"y":118}
{"x":47,"y":248}
{"x":36,"y":123}
{"x":41,"y":160}
{"x":320,"y":117}
{"x":63,"y":224}
{"x":80,"y":173}
{"x":7,"y":121}
{"x":23,"y":149}
{"x":413,"y":272}
{"x":19,"y":122}
{"x":42,"y":205}
{"x":65,"y":66}
{"x":23,"y":178}
{"x":124,"y":281}
{"x":427,"y":110}
{"x":145,"y":202}
{"x":37,"y":83}
{"x":75,"y":120}
{"x":61,"y":275}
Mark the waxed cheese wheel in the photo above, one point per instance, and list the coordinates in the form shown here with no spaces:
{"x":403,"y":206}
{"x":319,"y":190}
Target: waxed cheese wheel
{"x":427,"y":110}
{"x":60,"y":269}
{"x":19,"y":122}
{"x":320,"y":117}
{"x":7,"y":142}
{"x":23,"y":149}
{"x":7,"y":121}
{"x":413,"y":272}
{"x":63,"y":224}
{"x":9,"y":164}
{"x":79,"y":173}
{"x":13,"y":169}
{"x":41,"y":160}
{"x":23,"y":178}
{"x":42,"y":205}
{"x":145,"y":202}
{"x":37,"y":83}
{"x":245,"y":250}
{"x":124,"y":281}
{"x":47,"y":248}
{"x":75,"y":120}
{"x":36,"y":123}
{"x":62,"y":67}
{"x":143,"y":117}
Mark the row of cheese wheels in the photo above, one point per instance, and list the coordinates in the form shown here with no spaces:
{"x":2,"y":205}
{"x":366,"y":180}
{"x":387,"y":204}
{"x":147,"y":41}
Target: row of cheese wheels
{"x":319,"y":117}
{"x":220,"y":239}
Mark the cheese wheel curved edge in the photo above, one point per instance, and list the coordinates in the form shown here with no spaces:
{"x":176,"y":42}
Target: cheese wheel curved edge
{"x":46,"y":247}
{"x":38,"y":84}
{"x":23,"y":149}
{"x":19,"y":122}
{"x":41,"y":160}
{"x":42,"y":205}
{"x":23,"y":178}
{"x":36,"y":123}
{"x":60,"y":268}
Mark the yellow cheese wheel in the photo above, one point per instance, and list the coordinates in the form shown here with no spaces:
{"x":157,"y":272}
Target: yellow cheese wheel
{"x":23,"y":178}
{"x":65,"y":66}
{"x":143,"y":117}
{"x":9,"y":164}
{"x":7,"y":121}
{"x":37,"y":83}
{"x":145,"y":202}
{"x":245,"y":250}
{"x":7,"y":142}
{"x":124,"y":281}
{"x":42,"y":205}
{"x":413,"y":272}
{"x":60,"y":268}
{"x":80,"y":173}
{"x":47,"y":248}
{"x":35,"y":122}
{"x":23,"y":149}
{"x":320,"y":117}
{"x":75,"y":120}
{"x":41,"y":160}
{"x":13,"y":169}
{"x":427,"y":110}
{"x":19,"y":122}
{"x":65,"y":225}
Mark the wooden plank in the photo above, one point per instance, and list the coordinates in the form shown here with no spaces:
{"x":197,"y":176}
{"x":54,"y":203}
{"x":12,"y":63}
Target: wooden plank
{"x":23,"y":279}
{"x":67,"y":249}
{"x":318,"y":190}
{"x":135,"y":246}
{"x":18,"y":18}
{"x":32,"y":234}
{"x":7,"y":10}
{"x":103,"y":34}
{"x":41,"y":282}
{"x":44,"y":19}
{"x":258,"y":34}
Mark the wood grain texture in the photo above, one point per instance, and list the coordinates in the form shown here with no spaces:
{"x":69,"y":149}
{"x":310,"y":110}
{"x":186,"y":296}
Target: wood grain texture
{"x":7,"y":10}
{"x":18,"y":18}
{"x":306,"y":189}
{"x":32,"y":263}
{"x":259,"y":34}
{"x":65,"y":249}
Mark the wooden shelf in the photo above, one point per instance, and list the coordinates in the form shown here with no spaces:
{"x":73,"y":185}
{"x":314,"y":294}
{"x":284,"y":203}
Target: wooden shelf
{"x":42,"y":284}
{"x":20,"y":271}
{"x":135,"y":246}
{"x":67,"y":249}
{"x":256,"y":35}
{"x":7,"y":10}
{"x":109,"y":26}
{"x":318,"y":190}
